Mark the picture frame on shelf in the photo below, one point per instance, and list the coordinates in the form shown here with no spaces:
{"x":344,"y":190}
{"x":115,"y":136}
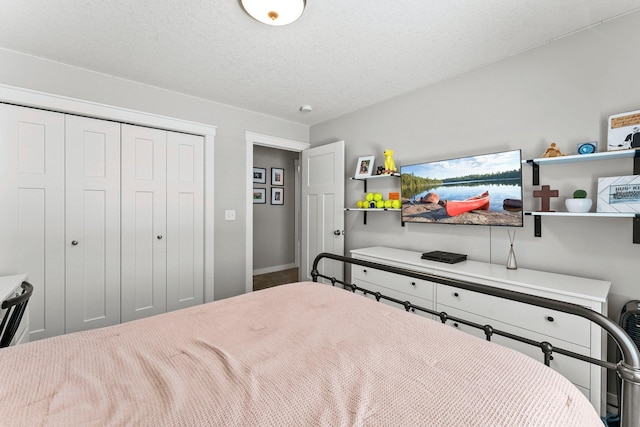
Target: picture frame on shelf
{"x":624,"y":131}
{"x":259,"y":196}
{"x":277,"y":176}
{"x":619,"y":194}
{"x":260,"y":175}
{"x":587,"y":147}
{"x":277,"y":196}
{"x":364,"y":166}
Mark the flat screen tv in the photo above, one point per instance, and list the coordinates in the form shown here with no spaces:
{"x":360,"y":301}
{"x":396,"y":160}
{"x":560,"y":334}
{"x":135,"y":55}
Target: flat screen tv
{"x":477,"y":190}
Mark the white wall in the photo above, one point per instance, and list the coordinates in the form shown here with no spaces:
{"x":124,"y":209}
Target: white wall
{"x":561,"y":92}
{"x":230,"y":188}
{"x":274,"y":225}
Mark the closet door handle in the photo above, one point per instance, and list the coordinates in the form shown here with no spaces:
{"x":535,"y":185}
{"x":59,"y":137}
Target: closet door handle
{"x":74,"y":242}
{"x":159,"y":237}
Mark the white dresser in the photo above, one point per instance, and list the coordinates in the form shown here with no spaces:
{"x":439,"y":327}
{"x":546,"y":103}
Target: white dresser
{"x":560,"y":329}
{"x":10,"y":287}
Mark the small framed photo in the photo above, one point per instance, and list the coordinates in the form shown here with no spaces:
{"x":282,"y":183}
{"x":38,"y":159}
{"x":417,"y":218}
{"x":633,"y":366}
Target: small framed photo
{"x":619,"y":194}
{"x":277,"y":196}
{"x":259,"y":196}
{"x":260,"y":175}
{"x":364,"y":167}
{"x":624,"y":131}
{"x":277,"y":176}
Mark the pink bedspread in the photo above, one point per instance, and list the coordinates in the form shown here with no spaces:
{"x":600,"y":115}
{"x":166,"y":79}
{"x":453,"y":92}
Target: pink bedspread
{"x":295,"y":355}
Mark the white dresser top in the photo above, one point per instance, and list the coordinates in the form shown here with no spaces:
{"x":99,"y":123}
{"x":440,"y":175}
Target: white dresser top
{"x":580,"y":287}
{"x":9,"y":283}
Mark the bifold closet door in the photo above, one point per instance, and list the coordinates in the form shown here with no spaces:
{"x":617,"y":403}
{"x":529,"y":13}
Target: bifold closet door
{"x":92,"y":223}
{"x":185,"y":220}
{"x":32,"y":214}
{"x":144,"y":234}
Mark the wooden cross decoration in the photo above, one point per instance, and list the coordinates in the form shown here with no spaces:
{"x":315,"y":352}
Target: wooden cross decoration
{"x":545,"y":194}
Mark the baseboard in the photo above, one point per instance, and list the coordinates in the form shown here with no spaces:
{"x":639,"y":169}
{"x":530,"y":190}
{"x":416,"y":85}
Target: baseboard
{"x":273,"y":269}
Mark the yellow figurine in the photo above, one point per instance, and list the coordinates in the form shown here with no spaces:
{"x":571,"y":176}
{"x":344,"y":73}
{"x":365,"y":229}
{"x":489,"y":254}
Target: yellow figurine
{"x":552,"y":151}
{"x":389,"y":164}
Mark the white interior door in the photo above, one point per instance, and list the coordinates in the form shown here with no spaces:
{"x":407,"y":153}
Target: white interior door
{"x":92,"y":223}
{"x":144,"y":221}
{"x":32,"y":214}
{"x":185,"y":220}
{"x":322,"y":208}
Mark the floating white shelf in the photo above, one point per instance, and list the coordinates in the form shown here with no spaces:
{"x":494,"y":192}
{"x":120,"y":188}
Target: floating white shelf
{"x":605,"y":155}
{"x":372,"y":209}
{"x":365,"y":210}
{"x":376,"y":177}
{"x":587,"y":214}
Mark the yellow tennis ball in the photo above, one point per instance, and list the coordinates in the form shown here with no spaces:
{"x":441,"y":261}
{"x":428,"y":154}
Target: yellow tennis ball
{"x":380,"y":204}
{"x":369,"y":197}
{"x":396,"y":204}
{"x":377,"y":197}
{"x":388,"y":204}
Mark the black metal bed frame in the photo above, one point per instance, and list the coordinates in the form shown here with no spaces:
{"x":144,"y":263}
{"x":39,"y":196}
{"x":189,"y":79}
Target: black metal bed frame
{"x":628,"y":368}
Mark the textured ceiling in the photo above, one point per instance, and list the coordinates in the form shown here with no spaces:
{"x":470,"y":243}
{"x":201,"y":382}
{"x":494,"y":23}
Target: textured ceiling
{"x":342,"y":55}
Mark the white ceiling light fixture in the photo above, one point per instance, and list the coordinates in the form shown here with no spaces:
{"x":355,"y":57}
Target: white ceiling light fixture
{"x":274,"y":12}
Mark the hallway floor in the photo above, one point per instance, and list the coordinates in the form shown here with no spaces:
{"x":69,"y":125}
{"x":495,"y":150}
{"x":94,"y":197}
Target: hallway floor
{"x":268,"y":280}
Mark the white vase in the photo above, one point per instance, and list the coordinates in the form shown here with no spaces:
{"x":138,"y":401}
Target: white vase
{"x":578,"y":205}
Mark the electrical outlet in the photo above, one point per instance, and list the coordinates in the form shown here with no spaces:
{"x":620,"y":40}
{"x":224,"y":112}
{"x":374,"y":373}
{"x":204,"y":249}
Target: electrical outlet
{"x":230,"y":215}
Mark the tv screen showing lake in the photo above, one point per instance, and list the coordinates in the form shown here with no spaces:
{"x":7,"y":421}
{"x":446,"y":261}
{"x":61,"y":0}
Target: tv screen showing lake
{"x":478,"y":190}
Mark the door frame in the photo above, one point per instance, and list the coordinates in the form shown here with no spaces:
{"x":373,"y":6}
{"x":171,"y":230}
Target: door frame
{"x":251,"y":139}
{"x":63,"y":104}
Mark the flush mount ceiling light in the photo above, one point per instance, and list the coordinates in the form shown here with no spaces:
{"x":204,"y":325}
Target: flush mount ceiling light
{"x":274,"y":12}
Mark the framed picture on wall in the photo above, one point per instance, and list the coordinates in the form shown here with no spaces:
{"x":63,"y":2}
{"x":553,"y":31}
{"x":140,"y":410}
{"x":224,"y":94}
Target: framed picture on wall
{"x":260,"y":175}
{"x":277,"y":196}
{"x":364,"y":167}
{"x":277,"y":176}
{"x":259,"y":196}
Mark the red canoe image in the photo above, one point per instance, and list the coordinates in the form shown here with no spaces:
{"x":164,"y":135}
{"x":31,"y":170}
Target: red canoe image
{"x":456,"y":207}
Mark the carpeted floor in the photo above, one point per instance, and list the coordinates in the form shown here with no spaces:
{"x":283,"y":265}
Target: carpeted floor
{"x":268,"y":280}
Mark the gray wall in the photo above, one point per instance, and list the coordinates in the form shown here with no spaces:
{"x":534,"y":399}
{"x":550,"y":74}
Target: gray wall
{"x":274,"y":225}
{"x":230,"y":170}
{"x":560,"y":92}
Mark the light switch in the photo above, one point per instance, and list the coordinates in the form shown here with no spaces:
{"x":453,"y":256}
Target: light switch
{"x":230,"y":215}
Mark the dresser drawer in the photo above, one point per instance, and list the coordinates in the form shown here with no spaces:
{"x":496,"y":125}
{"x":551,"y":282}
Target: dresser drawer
{"x":545,"y":321}
{"x":407,"y":285}
{"x":397,"y":295}
{"x":578,"y":372}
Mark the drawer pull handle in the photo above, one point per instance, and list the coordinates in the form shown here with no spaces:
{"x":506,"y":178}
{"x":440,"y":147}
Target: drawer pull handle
{"x":550,"y":319}
{"x":74,"y":242}
{"x":413,"y":283}
{"x":455,"y":325}
{"x":364,"y":271}
{"x":455,"y":294}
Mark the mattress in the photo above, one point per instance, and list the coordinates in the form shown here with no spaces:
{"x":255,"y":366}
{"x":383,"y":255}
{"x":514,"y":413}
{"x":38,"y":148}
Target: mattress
{"x":303,"y":354}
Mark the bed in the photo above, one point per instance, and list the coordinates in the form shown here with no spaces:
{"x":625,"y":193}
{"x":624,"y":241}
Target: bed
{"x":303,"y":354}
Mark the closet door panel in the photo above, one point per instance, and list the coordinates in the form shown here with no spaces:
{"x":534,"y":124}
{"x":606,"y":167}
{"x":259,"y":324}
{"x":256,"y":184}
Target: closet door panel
{"x":32,"y":218}
{"x":92,"y":223}
{"x":185,"y":220}
{"x":144,"y":205}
